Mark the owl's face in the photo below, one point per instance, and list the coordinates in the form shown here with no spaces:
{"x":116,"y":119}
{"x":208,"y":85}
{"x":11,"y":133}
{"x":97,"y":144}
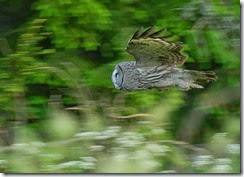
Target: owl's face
{"x":117,"y":77}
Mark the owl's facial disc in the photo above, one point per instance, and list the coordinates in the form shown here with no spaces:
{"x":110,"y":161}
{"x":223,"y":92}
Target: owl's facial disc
{"x":117,"y":77}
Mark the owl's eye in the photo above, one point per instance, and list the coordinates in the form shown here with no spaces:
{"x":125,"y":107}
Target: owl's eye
{"x":117,"y":77}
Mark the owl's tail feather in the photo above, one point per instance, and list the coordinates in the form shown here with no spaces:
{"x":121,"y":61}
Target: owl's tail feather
{"x":201,"y":77}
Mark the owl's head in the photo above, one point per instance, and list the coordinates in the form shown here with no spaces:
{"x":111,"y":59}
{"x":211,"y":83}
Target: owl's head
{"x":117,"y":77}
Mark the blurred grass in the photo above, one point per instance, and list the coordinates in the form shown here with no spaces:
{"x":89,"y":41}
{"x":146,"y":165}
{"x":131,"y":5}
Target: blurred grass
{"x":60,"y":113}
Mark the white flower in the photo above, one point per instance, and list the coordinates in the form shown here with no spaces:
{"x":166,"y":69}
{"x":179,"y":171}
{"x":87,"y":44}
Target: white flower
{"x":222,"y":169}
{"x":115,"y":128}
{"x":102,"y":137}
{"x":218,"y":137}
{"x":130,"y":139}
{"x":157,"y":131}
{"x":69,"y":164}
{"x":202,"y":160}
{"x":223,"y":161}
{"x":158,"y":149}
{"x":168,"y":171}
{"x":19,"y":145}
{"x":3,"y":162}
{"x":54,"y":156}
{"x":87,"y":135}
{"x":88,"y":165}
{"x":89,"y":159}
{"x":96,"y":147}
{"x":233,"y":148}
{"x":145,"y":122}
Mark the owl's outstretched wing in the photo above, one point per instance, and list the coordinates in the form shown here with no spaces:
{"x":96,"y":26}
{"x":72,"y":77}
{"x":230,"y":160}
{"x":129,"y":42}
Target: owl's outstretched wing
{"x":151,"y":49}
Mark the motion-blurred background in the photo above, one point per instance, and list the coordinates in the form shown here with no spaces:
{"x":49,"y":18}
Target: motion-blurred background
{"x":59,"y":112}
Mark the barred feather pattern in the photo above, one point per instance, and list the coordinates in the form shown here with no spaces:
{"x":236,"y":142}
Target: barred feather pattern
{"x":183,"y":79}
{"x":155,"y":65}
{"x":150,"y":49}
{"x":163,"y":78}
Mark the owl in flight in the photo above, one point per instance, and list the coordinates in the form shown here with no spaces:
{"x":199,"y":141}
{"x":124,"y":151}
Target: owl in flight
{"x":156,"y":65}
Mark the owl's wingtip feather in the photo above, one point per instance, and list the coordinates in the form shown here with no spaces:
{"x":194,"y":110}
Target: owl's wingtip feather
{"x":149,"y":33}
{"x":138,"y":33}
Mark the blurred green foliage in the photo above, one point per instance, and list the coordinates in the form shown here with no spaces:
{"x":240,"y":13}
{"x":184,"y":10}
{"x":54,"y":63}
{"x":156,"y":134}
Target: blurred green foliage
{"x":59,"y":112}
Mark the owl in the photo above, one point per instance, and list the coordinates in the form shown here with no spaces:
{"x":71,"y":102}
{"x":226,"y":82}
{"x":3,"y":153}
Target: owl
{"x":155,"y":65}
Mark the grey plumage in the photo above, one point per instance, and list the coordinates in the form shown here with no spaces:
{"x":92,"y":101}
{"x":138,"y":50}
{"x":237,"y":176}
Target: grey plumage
{"x":155,"y":65}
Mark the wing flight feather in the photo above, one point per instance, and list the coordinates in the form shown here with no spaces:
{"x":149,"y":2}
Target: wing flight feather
{"x":151,"y":49}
